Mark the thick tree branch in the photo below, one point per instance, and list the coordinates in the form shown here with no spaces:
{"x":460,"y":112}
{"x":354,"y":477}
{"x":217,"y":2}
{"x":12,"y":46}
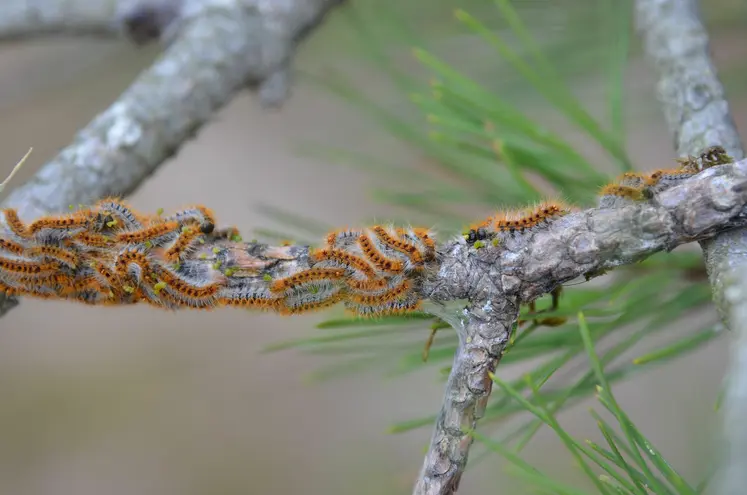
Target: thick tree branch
{"x":221,"y":46}
{"x":497,"y":280}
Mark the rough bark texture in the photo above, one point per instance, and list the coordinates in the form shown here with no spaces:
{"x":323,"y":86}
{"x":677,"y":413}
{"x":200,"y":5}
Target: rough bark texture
{"x":220,"y":46}
{"x":695,"y":108}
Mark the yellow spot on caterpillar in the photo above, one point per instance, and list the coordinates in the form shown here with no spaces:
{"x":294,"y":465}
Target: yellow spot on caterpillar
{"x":159,"y":287}
{"x":479,"y":244}
{"x":229,"y":272}
{"x":159,"y":212}
{"x":216,"y":250}
{"x":148,"y":244}
{"x":202,"y":256}
{"x":111,"y":223}
{"x":266,"y":277}
{"x":128,"y":289}
{"x":216,"y":265}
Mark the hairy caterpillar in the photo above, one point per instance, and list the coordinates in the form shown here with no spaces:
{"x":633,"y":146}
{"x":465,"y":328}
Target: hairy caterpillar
{"x":310,"y":275}
{"x":376,"y":257}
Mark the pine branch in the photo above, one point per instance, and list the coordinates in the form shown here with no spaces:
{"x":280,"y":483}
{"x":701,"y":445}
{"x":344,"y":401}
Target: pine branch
{"x":218,"y":48}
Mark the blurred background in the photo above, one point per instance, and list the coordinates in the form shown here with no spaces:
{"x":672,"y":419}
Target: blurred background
{"x":136,"y":400}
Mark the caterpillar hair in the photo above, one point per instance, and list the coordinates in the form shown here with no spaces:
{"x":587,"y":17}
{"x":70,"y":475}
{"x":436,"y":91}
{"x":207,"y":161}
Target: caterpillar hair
{"x":305,"y":276}
{"x":377,"y":258}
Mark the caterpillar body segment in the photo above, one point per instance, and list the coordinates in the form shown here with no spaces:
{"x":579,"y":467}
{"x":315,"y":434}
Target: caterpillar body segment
{"x":306,"y":276}
{"x":249,"y":297}
{"x":14,"y":223}
{"x":183,"y":245}
{"x":515,"y":222}
{"x":343,"y":238}
{"x":158,"y":234}
{"x":391,"y":239}
{"x":617,"y":195}
{"x":338,"y":257}
{"x":307,"y":302}
{"x":376,"y":257}
{"x":406,"y":304}
{"x":201,"y":215}
{"x":113,"y":214}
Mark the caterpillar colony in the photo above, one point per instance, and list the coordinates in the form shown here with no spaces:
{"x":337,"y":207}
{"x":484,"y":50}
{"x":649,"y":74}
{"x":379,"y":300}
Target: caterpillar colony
{"x":109,"y":254}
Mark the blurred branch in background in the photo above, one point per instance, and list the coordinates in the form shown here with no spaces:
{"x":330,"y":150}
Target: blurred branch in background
{"x":697,"y":114}
{"x":734,"y":475}
{"x":217,"y":48}
{"x":21,"y":19}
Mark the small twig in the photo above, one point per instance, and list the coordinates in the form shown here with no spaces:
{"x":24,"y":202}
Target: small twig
{"x":15,"y":170}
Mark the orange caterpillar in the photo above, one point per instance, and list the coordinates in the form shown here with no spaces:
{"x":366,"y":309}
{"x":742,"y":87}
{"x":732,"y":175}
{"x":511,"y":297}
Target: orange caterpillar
{"x":185,"y":288}
{"x":375,"y":256}
{"x":64,"y":256}
{"x":515,"y":222}
{"x":378,"y":299}
{"x":90,"y":240}
{"x":307,"y":305}
{"x":18,"y":267}
{"x":199,"y":214}
{"x":303,"y":277}
{"x":152,"y":234}
{"x":337,"y":237}
{"x":121,"y":215}
{"x":367,"y":285}
{"x":15,"y":224}
{"x":628,"y":192}
{"x":521,"y":221}
{"x":343,"y":258}
{"x":668,"y":175}
{"x":398,"y":245}
{"x":11,"y":247}
{"x":182,"y":245}
{"x":78,"y":219}
{"x":398,"y":306}
{"x":244,"y":297}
